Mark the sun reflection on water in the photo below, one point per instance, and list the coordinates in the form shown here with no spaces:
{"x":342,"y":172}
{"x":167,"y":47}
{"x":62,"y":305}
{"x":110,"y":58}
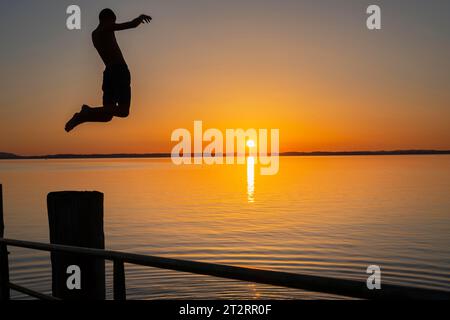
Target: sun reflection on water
{"x":251,"y":179}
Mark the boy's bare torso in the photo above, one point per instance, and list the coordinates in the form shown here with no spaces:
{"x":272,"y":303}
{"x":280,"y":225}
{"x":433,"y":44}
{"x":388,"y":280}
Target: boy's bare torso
{"x":106,"y":44}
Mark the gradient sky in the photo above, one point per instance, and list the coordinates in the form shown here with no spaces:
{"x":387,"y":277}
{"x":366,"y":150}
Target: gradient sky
{"x":310,"y":68}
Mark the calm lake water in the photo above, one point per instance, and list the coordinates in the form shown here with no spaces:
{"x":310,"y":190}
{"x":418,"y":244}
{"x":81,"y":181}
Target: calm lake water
{"x":327,"y":216}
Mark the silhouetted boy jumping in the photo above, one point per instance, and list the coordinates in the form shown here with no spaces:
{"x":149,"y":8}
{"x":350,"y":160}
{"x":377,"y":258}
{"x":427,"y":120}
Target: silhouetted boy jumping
{"x":116,"y":77}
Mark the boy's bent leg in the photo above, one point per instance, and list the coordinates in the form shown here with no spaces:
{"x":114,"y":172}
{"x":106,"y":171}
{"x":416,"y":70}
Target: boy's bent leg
{"x":122,"y":110}
{"x":73,"y":122}
{"x":101,"y":114}
{"x":124,"y":100}
{"x":88,"y":114}
{"x":123,"y":106}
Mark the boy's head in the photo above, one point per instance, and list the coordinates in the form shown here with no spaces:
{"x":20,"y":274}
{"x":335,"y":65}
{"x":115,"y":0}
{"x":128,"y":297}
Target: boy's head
{"x":107,"y":16}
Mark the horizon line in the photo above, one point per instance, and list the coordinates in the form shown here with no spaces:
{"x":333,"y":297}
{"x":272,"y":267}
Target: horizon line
{"x":12,"y":156}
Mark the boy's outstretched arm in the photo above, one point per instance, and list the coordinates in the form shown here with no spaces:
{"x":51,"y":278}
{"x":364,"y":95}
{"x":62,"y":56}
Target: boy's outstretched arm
{"x":133,"y":23}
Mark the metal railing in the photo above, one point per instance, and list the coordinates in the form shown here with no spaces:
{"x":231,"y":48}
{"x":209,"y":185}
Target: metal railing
{"x":347,"y":288}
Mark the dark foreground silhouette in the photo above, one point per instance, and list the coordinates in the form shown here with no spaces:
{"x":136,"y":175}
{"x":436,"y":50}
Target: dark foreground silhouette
{"x":116,"y":77}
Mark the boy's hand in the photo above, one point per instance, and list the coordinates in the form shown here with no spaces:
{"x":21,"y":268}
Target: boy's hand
{"x":143,"y":18}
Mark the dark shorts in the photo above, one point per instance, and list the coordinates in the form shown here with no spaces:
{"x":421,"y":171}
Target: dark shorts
{"x":116,"y":85}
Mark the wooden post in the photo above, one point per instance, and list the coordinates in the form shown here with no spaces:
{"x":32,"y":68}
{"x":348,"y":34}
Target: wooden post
{"x":76,"y":219}
{"x":4,"y":266}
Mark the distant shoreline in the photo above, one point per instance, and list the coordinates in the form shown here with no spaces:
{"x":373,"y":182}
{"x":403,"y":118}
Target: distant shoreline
{"x":11,"y":156}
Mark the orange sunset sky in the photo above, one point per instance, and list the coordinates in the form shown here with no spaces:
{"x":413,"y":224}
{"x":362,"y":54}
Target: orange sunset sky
{"x":309,"y":68}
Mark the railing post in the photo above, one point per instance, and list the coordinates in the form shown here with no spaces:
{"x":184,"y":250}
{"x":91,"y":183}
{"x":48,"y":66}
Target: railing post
{"x":120,"y":291}
{"x":4,"y":266}
{"x":2,"y":224}
{"x":76,"y":219}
